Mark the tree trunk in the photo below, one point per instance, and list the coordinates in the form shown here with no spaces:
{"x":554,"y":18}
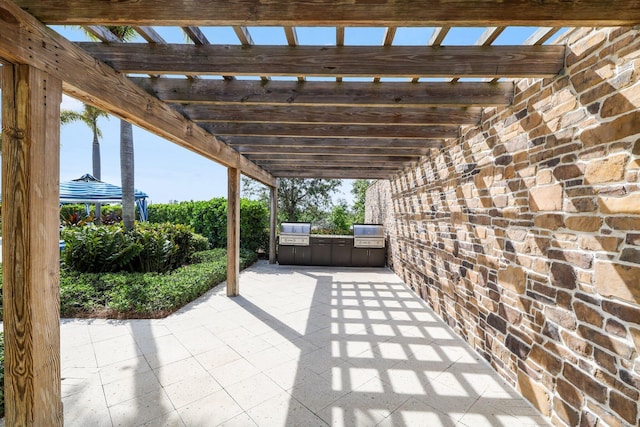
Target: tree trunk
{"x":126,"y":174}
{"x":95,"y":157}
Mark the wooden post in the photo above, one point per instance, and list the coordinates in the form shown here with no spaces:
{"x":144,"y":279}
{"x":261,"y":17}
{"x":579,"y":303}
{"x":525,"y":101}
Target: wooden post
{"x":30,"y":254}
{"x":233,"y":232}
{"x":273,"y":219}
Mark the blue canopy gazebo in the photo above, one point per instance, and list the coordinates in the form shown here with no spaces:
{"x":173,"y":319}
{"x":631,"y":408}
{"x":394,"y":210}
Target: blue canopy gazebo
{"x":89,"y":190}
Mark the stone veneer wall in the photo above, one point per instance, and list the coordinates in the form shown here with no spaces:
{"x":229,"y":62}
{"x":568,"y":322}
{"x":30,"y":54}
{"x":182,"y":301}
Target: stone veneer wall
{"x":524,"y":233}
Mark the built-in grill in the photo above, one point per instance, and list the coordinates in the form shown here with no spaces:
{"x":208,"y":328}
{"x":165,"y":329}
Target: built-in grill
{"x":295,"y":233}
{"x":368,"y":236}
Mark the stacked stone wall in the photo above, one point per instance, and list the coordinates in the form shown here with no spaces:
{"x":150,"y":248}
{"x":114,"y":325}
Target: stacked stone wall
{"x":524,"y":233}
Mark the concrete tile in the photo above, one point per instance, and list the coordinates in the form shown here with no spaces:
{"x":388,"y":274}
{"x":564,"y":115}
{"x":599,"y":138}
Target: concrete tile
{"x":141,"y":410}
{"x":234,"y":372}
{"x":217,"y":357}
{"x":178,"y":371}
{"x":114,"y":350}
{"x":242,"y":420}
{"x":126,"y":368}
{"x":211,"y":410}
{"x":87,"y":408}
{"x":253,"y":391}
{"x":283,"y":411}
{"x":130,"y":387}
{"x":164,"y":350}
{"x":191,"y":388}
{"x":415,"y":413}
{"x":172,"y":419}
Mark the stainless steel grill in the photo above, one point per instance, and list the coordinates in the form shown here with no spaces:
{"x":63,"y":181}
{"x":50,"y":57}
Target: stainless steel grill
{"x":368,"y":236}
{"x":295,"y":233}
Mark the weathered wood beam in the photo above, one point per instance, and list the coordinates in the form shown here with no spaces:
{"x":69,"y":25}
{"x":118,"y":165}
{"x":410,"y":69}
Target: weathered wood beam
{"x":233,"y":232}
{"x":331,"y":131}
{"x":352,"y":61}
{"x":327,"y":159}
{"x":541,"y":35}
{"x":321,"y":114}
{"x":333,"y":162}
{"x":150,"y":34}
{"x":436,"y":39}
{"x":246,"y":92}
{"x":345,"y":151}
{"x":196,"y":35}
{"x":25,"y":40}
{"x":486,"y":39}
{"x":337,"y":174}
{"x":30,"y":254}
{"x":241,"y":141}
{"x":389,"y":34}
{"x":401,"y":13}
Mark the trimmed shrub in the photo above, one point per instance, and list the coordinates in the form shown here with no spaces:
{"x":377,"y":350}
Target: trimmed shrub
{"x":144,"y":295}
{"x":210,"y":219}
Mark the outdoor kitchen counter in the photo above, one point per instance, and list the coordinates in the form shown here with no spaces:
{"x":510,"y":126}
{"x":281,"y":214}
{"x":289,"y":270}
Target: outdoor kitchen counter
{"x":332,"y":250}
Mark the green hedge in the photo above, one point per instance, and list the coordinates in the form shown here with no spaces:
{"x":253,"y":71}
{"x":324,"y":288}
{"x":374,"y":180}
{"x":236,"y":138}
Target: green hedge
{"x":209,"y":218}
{"x":144,"y":294}
{"x":146,"y":248}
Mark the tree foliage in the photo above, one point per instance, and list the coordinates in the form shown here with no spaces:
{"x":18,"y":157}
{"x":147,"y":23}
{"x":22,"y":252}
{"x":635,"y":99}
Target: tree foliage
{"x":359,"y":191}
{"x":306,"y":200}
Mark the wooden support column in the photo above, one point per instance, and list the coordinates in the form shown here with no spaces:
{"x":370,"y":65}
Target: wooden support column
{"x":233,"y":232}
{"x":273,"y":220}
{"x":30,"y":256}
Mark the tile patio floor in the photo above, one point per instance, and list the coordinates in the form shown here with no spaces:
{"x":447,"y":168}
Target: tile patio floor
{"x":302,"y":346}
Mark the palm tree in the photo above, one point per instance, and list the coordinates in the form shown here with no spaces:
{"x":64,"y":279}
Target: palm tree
{"x":89,"y":116}
{"x":126,"y":174}
{"x":125,"y":33}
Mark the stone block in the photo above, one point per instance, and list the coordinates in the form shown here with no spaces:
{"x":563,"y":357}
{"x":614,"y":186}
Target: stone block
{"x":623,"y":223}
{"x":625,"y":312}
{"x":549,"y":362}
{"x":565,"y":412}
{"x":584,"y":223}
{"x":585,"y":382}
{"x":608,"y":342}
{"x":563,"y":275}
{"x":535,"y":393}
{"x":618,"y":280}
{"x":605,"y":170}
{"x":586,"y":313}
{"x":629,"y":204}
{"x":567,"y":172}
{"x":624,"y":407}
{"x":616,"y":129}
{"x":630,"y":255}
{"x":622,"y":102}
{"x":512,"y":278}
{"x":546,"y":198}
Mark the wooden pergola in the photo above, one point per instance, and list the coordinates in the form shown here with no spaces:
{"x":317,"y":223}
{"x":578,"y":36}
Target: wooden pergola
{"x":262,"y":128}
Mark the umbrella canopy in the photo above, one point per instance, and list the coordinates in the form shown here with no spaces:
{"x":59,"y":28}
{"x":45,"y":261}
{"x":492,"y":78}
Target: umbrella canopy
{"x":88,"y":189}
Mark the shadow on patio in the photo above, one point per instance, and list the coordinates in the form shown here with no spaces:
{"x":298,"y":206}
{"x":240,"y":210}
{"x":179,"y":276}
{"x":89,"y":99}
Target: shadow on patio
{"x":302,"y":346}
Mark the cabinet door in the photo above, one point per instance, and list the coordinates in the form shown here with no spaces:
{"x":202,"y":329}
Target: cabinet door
{"x":286,"y":254}
{"x":376,"y":257}
{"x":303,"y":255}
{"x":320,"y":253}
{"x":341,"y":254}
{"x":360,"y":257}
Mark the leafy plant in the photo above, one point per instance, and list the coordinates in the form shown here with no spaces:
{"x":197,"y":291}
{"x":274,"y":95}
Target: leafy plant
{"x":109,"y":248}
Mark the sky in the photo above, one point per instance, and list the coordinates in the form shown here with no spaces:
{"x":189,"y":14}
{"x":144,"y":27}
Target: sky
{"x":167,"y":172}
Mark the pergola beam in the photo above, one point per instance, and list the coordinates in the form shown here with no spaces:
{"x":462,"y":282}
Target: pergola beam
{"x":331,"y":115}
{"x":331,"y":61}
{"x":332,"y":143}
{"x":332,"y":131}
{"x":344,"y":151}
{"x":386,"y":94}
{"x":25,"y":40}
{"x":400,"y":13}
